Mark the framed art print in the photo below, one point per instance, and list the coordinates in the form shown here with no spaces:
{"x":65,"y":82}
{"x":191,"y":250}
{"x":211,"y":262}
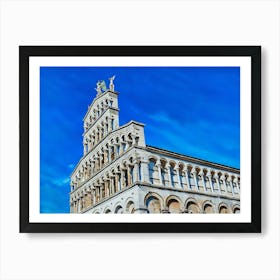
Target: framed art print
{"x":138,"y":138}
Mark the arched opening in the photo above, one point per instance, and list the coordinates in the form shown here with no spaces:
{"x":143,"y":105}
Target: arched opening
{"x":153,"y":205}
{"x":236,"y":210}
{"x":152,"y":164}
{"x":130,"y":207}
{"x":208,"y":208}
{"x":223,"y":210}
{"x":174,"y":206}
{"x":192,"y":208}
{"x":119,"y":210}
{"x":108,"y":211}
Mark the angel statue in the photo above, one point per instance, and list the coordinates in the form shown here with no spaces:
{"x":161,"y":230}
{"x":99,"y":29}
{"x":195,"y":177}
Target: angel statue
{"x":111,"y":86}
{"x":101,"y":87}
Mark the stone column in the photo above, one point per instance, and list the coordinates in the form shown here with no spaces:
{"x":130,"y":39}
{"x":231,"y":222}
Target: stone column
{"x":93,"y":196}
{"x":112,"y":185}
{"x":217,"y":178}
{"x":209,"y":176}
{"x":100,"y":161}
{"x":193,"y":171}
{"x":187,"y":178}
{"x":106,"y":188}
{"x":79,"y":205}
{"x":158,"y":165}
{"x":112,"y":152}
{"x":201,"y":174}
{"x":235,"y":180}
{"x":122,"y":179}
{"x":97,"y":194}
{"x":145,"y":171}
{"x":96,"y":165}
{"x":167,"y":166}
{"x":231,"y":185}
{"x":129,"y":176}
{"x":116,"y":183}
{"x":224,"y":182}
{"x":178,"y":177}
{"x":136,"y":171}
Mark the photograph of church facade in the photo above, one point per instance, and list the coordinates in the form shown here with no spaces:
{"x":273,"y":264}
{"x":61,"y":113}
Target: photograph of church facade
{"x":120,"y":173}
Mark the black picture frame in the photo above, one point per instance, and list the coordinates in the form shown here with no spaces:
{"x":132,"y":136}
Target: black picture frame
{"x":254,"y":52}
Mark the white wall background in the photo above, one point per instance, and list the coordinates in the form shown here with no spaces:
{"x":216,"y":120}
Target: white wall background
{"x":139,"y":256}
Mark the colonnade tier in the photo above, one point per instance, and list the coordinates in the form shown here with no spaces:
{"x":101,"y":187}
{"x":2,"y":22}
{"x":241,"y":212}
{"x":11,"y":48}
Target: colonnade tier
{"x":107,"y":151}
{"x":99,"y":105}
{"x":155,"y":203}
{"x":100,"y":129}
{"x":137,"y":165}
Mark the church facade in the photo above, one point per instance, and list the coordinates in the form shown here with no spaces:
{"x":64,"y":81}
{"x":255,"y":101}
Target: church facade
{"x":119,"y":173}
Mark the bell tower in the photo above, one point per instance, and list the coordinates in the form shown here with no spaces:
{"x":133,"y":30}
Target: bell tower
{"x":102,"y":116}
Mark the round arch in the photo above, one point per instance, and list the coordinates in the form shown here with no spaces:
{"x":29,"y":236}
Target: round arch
{"x":130,"y":207}
{"x":119,"y":209}
{"x":223,"y":208}
{"x":208,"y":207}
{"x":174,"y":204}
{"x":192,"y":207}
{"x":153,"y":202}
{"x":236,"y":209}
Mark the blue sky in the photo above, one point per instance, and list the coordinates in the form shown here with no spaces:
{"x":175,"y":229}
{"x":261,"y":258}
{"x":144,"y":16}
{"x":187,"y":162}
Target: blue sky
{"x":190,"y":110}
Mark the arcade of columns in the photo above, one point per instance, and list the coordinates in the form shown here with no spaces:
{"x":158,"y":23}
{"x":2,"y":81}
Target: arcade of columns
{"x":155,"y":171}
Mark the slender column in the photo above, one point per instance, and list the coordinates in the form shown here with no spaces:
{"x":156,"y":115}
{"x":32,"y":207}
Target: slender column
{"x":106,"y":188}
{"x":187,"y":178}
{"x":201,"y":174}
{"x":118,"y":176}
{"x":112,"y":185}
{"x":116,"y":183}
{"x":158,"y":165}
{"x":210,"y":180}
{"x":100,"y":161}
{"x":135,"y":171}
{"x":193,"y":171}
{"x":115,"y":145}
{"x":97,"y":194}
{"x":96,"y":163}
{"x":225,"y":183}
{"x":144,"y":171}
{"x":217,"y":178}
{"x":93,"y":196}
{"x":128,"y":176}
{"x":112,"y":151}
{"x":178,"y":177}
{"x":169,"y":174}
{"x":235,"y":180}
{"x":122,"y":180}
{"x":231,"y":185}
{"x":80,"y":205}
